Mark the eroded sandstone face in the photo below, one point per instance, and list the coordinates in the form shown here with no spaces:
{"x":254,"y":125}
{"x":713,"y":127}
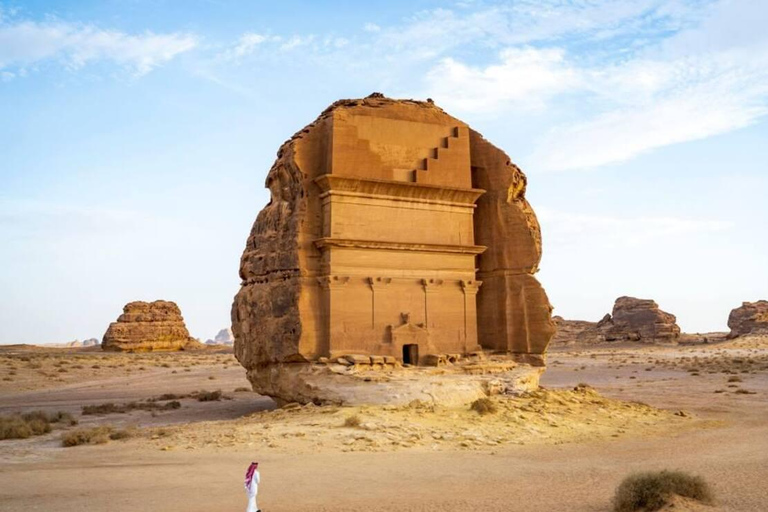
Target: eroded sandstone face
{"x":148,"y":327}
{"x":639,"y":320}
{"x":749,"y":318}
{"x":381,"y":212}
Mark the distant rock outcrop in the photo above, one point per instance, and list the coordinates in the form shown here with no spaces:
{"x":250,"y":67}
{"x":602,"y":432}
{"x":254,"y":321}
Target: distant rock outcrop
{"x":224,"y":337}
{"x":148,"y":327}
{"x":749,"y":318}
{"x":91,"y":342}
{"x":576,"y":331}
{"x":632,"y":320}
{"x":640,"y":320}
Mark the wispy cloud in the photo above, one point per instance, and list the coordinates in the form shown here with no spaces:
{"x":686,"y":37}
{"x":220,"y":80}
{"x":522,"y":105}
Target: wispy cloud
{"x":524,"y":78}
{"x":696,"y":83}
{"x":27,"y":43}
{"x":565,"y":228}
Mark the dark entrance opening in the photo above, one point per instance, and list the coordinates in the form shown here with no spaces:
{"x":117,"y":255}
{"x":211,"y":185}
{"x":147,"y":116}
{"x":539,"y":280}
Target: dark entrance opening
{"x":411,"y":354}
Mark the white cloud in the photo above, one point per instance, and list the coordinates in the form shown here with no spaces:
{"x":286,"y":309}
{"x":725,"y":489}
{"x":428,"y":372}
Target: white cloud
{"x":524,"y":78}
{"x":371,"y":27}
{"x":25,"y":43}
{"x":695,"y":84}
{"x":564,"y":228}
{"x":246,"y":45}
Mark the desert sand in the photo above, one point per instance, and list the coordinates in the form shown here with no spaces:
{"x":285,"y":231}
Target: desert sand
{"x":558,"y":449}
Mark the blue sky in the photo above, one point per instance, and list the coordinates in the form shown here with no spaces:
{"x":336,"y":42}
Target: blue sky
{"x":135,"y":137}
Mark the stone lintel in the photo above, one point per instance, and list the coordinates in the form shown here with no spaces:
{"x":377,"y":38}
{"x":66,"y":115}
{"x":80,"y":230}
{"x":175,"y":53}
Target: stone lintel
{"x":397,"y":190}
{"x":326,"y":242}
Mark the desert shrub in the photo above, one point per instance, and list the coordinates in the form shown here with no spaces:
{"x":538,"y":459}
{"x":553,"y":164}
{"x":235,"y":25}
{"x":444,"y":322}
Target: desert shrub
{"x":167,"y":396}
{"x":112,"y":408}
{"x":735,"y":378}
{"x":33,"y":423}
{"x":352,"y":421}
{"x":93,"y":435}
{"x":242,"y":390}
{"x":207,"y":396}
{"x":744,"y":392}
{"x":123,"y":433}
{"x":652,"y":490}
{"x":483,"y":406}
{"x":14,"y":427}
{"x":106,"y":408}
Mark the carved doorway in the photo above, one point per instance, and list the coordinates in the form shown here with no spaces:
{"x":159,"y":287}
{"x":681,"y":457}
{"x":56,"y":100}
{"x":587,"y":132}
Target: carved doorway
{"x":411,"y":354}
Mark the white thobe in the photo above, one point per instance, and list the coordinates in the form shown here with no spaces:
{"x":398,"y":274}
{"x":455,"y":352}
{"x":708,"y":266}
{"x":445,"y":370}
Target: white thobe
{"x":253,"y":489}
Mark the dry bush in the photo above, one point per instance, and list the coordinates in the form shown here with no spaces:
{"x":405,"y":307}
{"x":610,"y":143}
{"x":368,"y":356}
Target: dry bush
{"x":734,"y":379}
{"x":112,"y":408}
{"x":124,"y":433}
{"x":34,"y":423}
{"x":80,"y":436}
{"x":483,"y":406}
{"x":652,"y":490}
{"x":242,"y":390}
{"x":352,"y":421}
{"x":207,"y":396}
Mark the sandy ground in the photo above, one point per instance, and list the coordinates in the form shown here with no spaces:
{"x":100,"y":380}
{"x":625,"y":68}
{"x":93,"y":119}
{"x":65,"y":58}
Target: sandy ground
{"x":556,"y":450}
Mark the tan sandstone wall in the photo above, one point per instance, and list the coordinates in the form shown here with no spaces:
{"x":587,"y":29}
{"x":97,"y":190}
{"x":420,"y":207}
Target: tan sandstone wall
{"x":371,"y":237}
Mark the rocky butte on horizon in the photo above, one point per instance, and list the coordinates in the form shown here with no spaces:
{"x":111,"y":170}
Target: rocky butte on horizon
{"x":381,"y":211}
{"x":749,"y":318}
{"x":148,"y":327}
{"x":632,"y":319}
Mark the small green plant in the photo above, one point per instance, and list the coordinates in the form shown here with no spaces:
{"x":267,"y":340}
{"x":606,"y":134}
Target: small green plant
{"x":483,"y":406}
{"x":650,"y":491}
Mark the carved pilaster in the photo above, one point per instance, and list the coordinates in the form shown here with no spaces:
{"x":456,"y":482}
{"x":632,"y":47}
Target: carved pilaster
{"x":380,"y":283}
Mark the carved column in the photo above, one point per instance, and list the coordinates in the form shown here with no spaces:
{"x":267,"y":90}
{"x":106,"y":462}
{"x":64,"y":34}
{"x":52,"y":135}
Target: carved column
{"x":379,"y":283}
{"x":430,"y":286}
{"x":470,"y":289}
{"x":333,"y":325}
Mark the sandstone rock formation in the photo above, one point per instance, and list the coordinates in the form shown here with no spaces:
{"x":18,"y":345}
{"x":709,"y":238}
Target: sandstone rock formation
{"x":639,"y":320}
{"x":578,"y":331}
{"x":224,"y":337}
{"x":91,"y":342}
{"x":749,"y":318}
{"x":381,"y":211}
{"x":148,"y":327}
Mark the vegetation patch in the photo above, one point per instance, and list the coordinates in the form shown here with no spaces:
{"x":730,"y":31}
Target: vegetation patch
{"x":34,"y":423}
{"x":483,"y":406}
{"x":652,"y":490}
{"x":112,"y":408}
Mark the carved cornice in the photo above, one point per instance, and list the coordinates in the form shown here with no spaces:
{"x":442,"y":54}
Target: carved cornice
{"x":331,"y":184}
{"x":324,"y":243}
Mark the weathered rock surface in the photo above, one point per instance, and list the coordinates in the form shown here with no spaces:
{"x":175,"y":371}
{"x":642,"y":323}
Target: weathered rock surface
{"x":148,"y":327}
{"x":632,"y":320}
{"x":640,"y":320}
{"x":749,"y":318}
{"x":381,"y":211}
{"x":369,"y":384}
{"x":578,"y":331}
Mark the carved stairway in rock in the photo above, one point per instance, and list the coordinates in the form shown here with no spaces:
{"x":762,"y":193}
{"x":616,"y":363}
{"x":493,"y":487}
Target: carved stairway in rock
{"x":448,"y":163}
